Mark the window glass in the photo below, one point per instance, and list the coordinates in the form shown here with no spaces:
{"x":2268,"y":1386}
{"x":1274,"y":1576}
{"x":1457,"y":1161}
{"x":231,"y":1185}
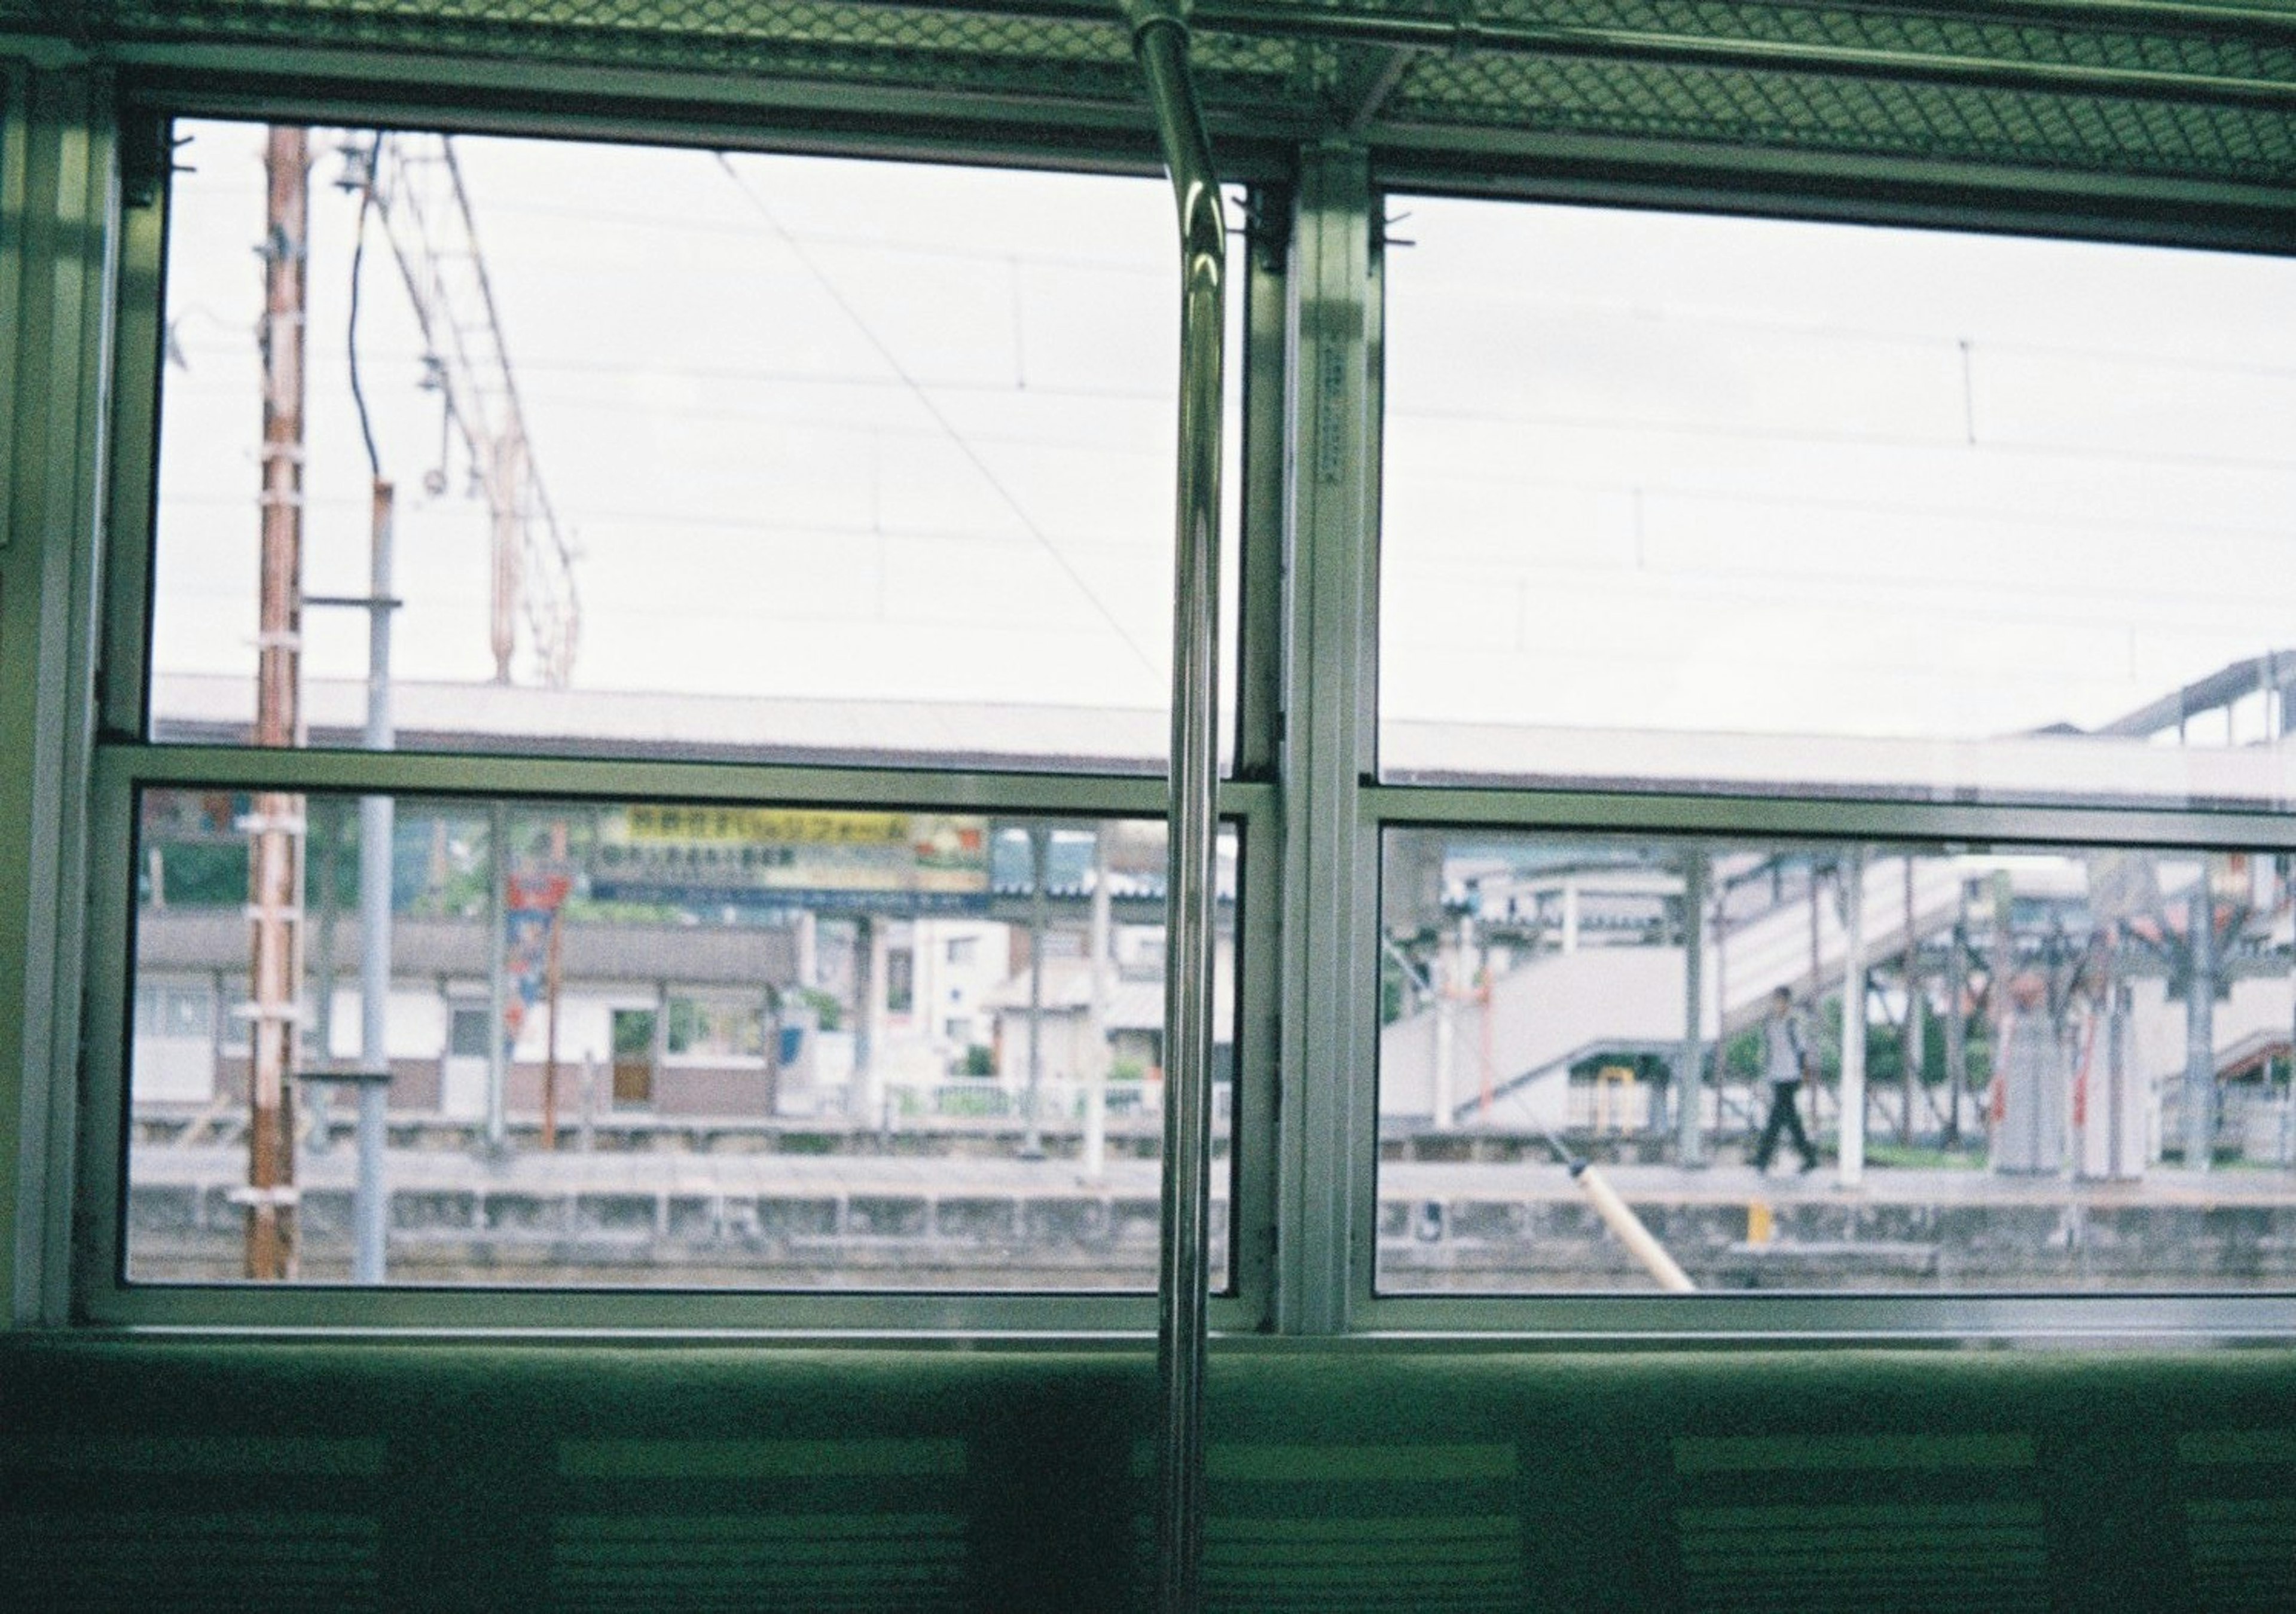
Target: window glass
{"x":747,"y":456}
{"x":2058,"y":1068}
{"x":1679,"y":501}
{"x":659,"y":1044}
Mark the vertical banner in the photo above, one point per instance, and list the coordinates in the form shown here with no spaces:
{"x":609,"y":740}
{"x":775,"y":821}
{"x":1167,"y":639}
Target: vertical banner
{"x":530,"y":904}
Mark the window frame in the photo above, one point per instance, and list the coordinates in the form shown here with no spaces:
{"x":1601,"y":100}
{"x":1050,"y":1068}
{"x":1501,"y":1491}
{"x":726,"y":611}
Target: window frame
{"x":1810,"y":816}
{"x":123,"y":763}
{"x":1304,"y":792}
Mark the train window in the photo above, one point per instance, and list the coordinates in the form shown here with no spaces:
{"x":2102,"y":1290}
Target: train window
{"x":643,"y":765}
{"x":1829,"y":741}
{"x":644,"y":776}
{"x":722,"y":455}
{"x":704,"y":1075}
{"x":1699,"y":503}
{"x":1753,"y":1063}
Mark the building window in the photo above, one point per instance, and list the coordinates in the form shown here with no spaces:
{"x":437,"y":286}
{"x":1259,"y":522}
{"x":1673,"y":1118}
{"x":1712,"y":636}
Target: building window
{"x":900,"y":980}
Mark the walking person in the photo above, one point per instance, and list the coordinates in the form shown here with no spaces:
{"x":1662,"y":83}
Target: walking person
{"x":1786,"y":1061}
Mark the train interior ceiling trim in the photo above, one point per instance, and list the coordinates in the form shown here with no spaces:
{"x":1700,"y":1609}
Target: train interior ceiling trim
{"x":1414,"y":1393}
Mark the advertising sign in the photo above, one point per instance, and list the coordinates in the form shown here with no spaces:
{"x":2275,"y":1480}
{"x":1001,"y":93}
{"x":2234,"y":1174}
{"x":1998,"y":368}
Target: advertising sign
{"x":886,"y":862}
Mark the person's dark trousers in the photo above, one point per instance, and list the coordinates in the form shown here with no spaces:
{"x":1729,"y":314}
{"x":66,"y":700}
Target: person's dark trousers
{"x":1785,"y":1116}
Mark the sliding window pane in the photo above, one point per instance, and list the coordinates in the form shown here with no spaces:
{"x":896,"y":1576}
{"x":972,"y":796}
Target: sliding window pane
{"x":1909,"y":1068}
{"x":1696,"y":502}
{"x":655,"y":1043}
{"x":733,"y":456}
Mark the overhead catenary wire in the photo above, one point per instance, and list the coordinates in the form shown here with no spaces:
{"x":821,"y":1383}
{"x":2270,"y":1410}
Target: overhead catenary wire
{"x":1652,"y":426}
{"x":351,"y":326}
{"x":426,"y":210}
{"x":370,"y":1203}
{"x":925,"y":400}
{"x":893,"y":245}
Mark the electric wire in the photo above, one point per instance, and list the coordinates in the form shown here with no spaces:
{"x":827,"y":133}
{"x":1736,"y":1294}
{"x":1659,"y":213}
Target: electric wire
{"x":893,"y":246}
{"x":351,"y":341}
{"x":925,"y":400}
{"x":2115,"y":454}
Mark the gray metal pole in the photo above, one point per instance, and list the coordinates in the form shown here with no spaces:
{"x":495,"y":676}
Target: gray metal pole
{"x":377,"y":820}
{"x":1161,"y":41}
{"x":2200,"y":1031}
{"x":1095,"y":1110}
{"x":1910,"y":1053}
{"x":861,"y":1099}
{"x":317,"y":1125}
{"x":1690,"y":1124}
{"x":499,"y":1052}
{"x":1957,"y":1022}
{"x":1850,"y":1159}
{"x":2116,"y":1062}
{"x":1032,"y":1136}
{"x":1999,"y":966}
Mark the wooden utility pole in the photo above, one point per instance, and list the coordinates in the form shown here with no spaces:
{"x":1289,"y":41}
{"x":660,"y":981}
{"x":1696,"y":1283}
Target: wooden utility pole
{"x":274,"y":879}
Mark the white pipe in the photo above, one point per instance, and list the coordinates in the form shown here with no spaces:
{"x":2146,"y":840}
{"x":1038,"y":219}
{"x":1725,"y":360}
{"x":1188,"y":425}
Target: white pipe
{"x":1623,"y":1222}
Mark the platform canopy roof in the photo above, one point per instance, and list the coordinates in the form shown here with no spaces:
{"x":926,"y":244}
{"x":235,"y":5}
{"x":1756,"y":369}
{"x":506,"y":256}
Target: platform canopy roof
{"x":2122,"y":110}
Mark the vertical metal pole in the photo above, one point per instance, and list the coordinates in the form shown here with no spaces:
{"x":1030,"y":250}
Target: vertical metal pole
{"x":316,"y":1123}
{"x":1721,"y":1005}
{"x":1999,"y":966}
{"x":861,"y":1089}
{"x":1690,"y":1123}
{"x":1957,"y":1022}
{"x":1032,"y":1138}
{"x":1450,"y":970}
{"x":2129,"y":1154}
{"x":1817,"y":976}
{"x":658,"y":1044}
{"x":273,"y":896}
{"x":587,"y":1137}
{"x":1910,"y":1052}
{"x":2200,"y":1030}
{"x":1095,"y":1107}
{"x":554,"y":981}
{"x":1161,"y":41}
{"x":1817,"y":997}
{"x":1327,"y":1033}
{"x":377,"y":832}
{"x":499,"y":1049}
{"x":770,"y":1017}
{"x":1852,"y":1123}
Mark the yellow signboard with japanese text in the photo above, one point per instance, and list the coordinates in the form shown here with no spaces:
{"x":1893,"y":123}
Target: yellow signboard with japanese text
{"x":879,"y":862}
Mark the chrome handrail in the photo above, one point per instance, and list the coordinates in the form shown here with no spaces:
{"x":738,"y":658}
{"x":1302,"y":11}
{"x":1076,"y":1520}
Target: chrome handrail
{"x":1160,"y":39}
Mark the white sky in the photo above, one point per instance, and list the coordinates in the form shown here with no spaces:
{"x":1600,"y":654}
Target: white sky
{"x":762,"y":502}
{"x":1643,"y":471}
{"x":1718,"y":474}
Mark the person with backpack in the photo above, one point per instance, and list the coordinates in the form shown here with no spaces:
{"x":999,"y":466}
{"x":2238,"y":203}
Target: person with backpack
{"x":1786,"y":1061}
